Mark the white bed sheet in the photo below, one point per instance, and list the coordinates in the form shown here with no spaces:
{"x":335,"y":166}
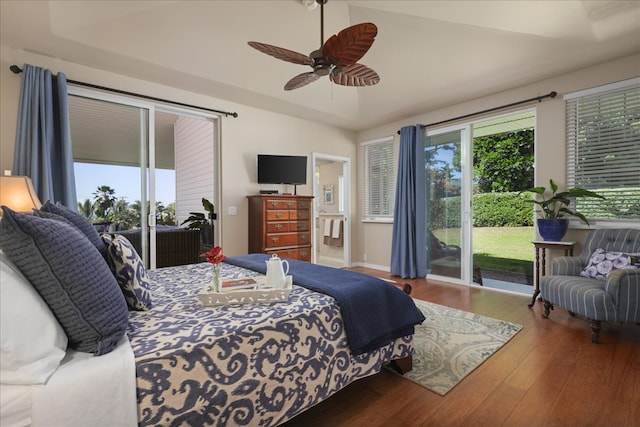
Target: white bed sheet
{"x":15,"y":401}
{"x":89,"y":390}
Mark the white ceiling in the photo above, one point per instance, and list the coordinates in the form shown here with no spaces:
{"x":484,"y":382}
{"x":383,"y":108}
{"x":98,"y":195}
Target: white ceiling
{"x":429,"y":54}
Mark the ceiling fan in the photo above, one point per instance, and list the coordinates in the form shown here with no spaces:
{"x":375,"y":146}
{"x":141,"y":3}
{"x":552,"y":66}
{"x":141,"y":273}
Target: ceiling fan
{"x":337,"y":57}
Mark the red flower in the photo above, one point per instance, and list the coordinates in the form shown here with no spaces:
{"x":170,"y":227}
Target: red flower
{"x":214,"y":256}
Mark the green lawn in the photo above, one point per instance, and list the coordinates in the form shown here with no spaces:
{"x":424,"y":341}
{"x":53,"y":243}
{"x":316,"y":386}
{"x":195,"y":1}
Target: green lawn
{"x":498,"y":248}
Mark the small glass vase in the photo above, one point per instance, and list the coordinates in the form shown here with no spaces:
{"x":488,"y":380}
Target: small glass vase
{"x":214,"y":285}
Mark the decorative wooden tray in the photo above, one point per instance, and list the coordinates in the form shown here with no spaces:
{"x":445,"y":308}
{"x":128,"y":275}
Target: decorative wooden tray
{"x":260,"y":295}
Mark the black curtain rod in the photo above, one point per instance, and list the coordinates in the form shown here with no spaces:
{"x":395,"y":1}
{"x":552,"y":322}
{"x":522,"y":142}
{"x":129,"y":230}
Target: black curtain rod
{"x":17,"y":70}
{"x":551,"y":94}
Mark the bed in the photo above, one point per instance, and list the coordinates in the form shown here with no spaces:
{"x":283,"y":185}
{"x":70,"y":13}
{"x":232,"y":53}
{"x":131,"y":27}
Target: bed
{"x":181,"y":363}
{"x":261,"y":364}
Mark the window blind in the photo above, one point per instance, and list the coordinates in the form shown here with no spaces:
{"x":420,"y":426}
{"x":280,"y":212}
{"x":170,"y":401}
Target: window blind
{"x":603,"y":149}
{"x":380,"y":179}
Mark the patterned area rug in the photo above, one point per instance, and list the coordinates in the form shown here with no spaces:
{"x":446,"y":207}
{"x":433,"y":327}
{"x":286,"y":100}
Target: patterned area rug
{"x":451,"y":343}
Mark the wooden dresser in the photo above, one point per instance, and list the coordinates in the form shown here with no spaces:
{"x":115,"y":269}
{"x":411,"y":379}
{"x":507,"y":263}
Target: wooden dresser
{"x":280,"y":224}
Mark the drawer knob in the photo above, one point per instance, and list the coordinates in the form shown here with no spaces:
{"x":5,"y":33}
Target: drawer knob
{"x":278,"y":226}
{"x":274,"y":239}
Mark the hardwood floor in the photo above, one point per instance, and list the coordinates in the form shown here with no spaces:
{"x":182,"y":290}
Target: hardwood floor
{"x":549,"y":374}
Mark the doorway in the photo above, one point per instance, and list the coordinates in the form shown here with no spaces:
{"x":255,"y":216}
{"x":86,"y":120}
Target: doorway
{"x":447,"y":195}
{"x":478,"y":227}
{"x":151,"y":164}
{"x":332,"y":195}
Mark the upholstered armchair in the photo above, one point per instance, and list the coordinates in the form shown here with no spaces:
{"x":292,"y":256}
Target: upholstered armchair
{"x":601,"y":284}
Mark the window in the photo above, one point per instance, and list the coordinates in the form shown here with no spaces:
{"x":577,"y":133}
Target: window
{"x":603,"y":149}
{"x":379,"y":179}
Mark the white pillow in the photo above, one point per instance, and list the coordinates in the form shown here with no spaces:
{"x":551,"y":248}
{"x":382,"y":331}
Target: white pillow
{"x":33,"y":342}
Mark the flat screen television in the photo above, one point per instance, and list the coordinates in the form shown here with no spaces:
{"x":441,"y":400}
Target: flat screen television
{"x":273,"y":169}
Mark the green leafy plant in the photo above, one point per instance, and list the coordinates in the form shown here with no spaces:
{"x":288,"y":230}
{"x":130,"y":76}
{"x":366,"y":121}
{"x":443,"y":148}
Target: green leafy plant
{"x":556,"y":206}
{"x":201,"y":220}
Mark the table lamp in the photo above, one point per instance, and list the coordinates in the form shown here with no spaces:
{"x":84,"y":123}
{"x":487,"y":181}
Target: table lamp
{"x":17,"y":193}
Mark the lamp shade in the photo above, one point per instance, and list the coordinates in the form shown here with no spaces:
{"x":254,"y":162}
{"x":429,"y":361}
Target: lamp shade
{"x":17,"y":193}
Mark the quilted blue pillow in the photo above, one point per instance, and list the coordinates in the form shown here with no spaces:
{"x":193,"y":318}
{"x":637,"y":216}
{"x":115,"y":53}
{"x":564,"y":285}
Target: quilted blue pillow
{"x":601,"y":263}
{"x":79,"y":221}
{"x":71,"y":277}
{"x":129,"y":271}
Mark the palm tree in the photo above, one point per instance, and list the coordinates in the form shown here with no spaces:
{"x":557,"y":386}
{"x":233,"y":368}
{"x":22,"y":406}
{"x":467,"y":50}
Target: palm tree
{"x":104,"y":200}
{"x":86,"y":209}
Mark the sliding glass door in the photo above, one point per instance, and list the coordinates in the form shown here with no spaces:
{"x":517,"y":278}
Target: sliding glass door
{"x":447,"y":187}
{"x":114,"y":155}
{"x":476,"y":173}
{"x":141,"y":168}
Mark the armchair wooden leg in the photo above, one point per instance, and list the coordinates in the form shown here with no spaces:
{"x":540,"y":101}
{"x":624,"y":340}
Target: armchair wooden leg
{"x":547,"y":308}
{"x":595,"y":331}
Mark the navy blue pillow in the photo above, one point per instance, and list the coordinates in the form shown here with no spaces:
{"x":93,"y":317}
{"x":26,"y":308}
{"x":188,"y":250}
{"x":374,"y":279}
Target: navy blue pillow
{"x":71,"y":276}
{"x":79,"y":221}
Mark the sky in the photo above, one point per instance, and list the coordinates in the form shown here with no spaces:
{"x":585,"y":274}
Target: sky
{"x":125,"y":180}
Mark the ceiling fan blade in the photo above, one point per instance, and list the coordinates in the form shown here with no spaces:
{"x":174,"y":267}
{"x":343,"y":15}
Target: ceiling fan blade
{"x":350,"y":44}
{"x":282,"y":53}
{"x":354,"y":75}
{"x":301,"y":80}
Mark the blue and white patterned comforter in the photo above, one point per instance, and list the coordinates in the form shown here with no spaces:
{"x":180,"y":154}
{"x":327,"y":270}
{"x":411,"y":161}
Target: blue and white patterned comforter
{"x":257,"y":365}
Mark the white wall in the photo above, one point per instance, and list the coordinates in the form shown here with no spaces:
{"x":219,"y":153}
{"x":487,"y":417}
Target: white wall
{"x":550,"y":140}
{"x":254,"y":131}
{"x":195,"y":168}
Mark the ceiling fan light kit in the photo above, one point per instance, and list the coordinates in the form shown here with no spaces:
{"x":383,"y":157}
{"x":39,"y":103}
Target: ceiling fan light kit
{"x":337,"y":57}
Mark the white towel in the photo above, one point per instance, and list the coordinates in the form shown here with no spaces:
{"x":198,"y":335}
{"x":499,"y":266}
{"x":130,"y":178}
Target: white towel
{"x":336,"y":228}
{"x":327,"y":227}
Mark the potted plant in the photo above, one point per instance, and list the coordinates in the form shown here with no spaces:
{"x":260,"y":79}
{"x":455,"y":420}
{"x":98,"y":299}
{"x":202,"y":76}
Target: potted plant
{"x":553,"y":222}
{"x":203,"y":222}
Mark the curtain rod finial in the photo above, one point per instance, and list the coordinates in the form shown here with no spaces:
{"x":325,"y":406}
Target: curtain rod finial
{"x":15,"y":69}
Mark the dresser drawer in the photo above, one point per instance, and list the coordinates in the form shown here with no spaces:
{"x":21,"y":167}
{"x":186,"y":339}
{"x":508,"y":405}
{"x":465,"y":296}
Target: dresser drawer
{"x":303,"y":204}
{"x":279,"y":227}
{"x":299,"y":226}
{"x":302,"y":254}
{"x":304,"y":238}
{"x":277,"y":215}
{"x":283,"y":239}
{"x":272,"y":204}
{"x":299,"y":214}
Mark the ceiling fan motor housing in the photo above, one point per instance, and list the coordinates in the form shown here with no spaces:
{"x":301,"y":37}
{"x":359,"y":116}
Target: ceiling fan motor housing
{"x":320,"y":64}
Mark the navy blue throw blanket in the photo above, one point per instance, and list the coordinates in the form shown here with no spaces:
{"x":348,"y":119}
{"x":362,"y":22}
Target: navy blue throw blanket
{"x":374,"y":311}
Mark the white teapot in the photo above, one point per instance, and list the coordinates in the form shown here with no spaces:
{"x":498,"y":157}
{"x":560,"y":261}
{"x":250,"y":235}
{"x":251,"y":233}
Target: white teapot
{"x":276,"y":272}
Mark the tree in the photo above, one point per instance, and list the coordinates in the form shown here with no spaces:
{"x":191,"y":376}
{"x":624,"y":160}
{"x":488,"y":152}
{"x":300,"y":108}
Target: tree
{"x":86,"y":209}
{"x":103,"y":201}
{"x":504,"y":162}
